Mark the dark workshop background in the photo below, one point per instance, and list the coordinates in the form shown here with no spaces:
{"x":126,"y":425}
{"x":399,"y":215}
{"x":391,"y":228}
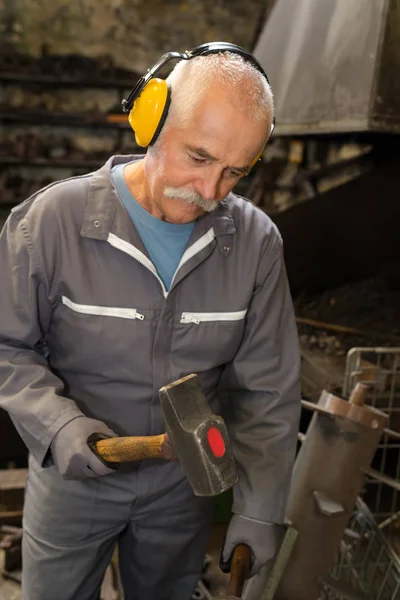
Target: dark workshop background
{"x":329,"y":177}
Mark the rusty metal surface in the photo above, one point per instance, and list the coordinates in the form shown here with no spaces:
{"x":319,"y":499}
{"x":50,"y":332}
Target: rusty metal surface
{"x":366,"y":415}
{"x":333,"y":65}
{"x":327,"y":478}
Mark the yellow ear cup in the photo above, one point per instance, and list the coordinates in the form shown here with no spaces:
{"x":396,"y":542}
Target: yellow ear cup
{"x":148,"y":110}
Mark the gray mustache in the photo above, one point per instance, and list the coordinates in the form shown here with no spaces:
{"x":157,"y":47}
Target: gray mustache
{"x":191,"y":197}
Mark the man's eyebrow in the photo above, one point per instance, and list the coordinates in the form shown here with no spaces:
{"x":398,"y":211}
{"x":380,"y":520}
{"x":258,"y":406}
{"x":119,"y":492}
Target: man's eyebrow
{"x":204,"y":154}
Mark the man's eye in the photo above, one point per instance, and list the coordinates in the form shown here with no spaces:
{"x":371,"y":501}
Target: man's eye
{"x":197,"y":159}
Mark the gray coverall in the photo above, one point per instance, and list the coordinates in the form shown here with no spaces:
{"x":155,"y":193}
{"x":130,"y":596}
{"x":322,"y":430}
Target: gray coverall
{"x":87,"y":327}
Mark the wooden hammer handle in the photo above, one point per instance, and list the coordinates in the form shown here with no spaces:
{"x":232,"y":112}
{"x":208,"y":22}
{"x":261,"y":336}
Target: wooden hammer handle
{"x":240,"y":568}
{"x":127,"y":449}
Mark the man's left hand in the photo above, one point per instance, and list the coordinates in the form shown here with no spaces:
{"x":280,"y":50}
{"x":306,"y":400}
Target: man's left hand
{"x":263,"y":538}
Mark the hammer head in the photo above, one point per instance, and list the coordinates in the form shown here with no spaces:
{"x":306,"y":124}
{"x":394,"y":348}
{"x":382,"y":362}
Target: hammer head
{"x":198,"y":436}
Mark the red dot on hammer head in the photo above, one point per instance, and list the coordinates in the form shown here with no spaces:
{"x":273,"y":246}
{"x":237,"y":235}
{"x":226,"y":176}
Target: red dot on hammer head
{"x":216,"y":442}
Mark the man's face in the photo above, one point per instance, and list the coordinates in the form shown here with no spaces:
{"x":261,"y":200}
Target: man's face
{"x":199,"y":163}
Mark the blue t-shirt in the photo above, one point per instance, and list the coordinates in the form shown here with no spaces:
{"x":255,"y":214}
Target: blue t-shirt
{"x":165,"y":242}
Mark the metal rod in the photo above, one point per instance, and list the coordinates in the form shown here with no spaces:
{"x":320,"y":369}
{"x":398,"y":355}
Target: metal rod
{"x":383,"y":478}
{"x":346,"y":329}
{"x":61,"y":119}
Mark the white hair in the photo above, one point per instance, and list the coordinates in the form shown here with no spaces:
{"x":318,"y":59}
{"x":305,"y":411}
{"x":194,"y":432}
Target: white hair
{"x":191,"y":79}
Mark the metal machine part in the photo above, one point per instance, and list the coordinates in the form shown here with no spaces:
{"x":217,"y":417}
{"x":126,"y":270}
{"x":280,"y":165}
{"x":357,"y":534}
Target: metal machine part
{"x":328,"y":476}
{"x":340,"y":58}
{"x":379,"y":368}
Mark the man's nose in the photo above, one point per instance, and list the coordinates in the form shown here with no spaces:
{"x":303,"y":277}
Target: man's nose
{"x":208,"y":185}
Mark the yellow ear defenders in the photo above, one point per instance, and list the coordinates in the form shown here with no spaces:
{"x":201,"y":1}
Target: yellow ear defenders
{"x":148,"y":102}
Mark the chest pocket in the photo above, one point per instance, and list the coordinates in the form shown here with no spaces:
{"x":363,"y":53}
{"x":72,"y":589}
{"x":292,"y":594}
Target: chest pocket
{"x":205,"y":340}
{"x":107,"y":340}
{"x":103,"y":311}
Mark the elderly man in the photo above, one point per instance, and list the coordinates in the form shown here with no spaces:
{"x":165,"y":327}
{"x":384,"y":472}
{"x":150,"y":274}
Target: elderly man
{"x":118,"y":282}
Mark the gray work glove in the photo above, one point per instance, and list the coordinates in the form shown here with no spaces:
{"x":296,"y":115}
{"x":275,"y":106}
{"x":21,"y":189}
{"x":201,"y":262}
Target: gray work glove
{"x":70,"y":451}
{"x":263,"y":538}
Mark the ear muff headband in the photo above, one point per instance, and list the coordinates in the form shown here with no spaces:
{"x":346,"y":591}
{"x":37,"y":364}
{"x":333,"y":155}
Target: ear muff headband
{"x":148,"y":102}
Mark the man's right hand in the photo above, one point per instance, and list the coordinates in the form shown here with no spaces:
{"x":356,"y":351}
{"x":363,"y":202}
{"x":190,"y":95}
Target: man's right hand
{"x":70,"y":451}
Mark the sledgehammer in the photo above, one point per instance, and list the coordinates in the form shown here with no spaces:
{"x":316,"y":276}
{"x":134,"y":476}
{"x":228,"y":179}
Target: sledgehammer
{"x":198,"y":437}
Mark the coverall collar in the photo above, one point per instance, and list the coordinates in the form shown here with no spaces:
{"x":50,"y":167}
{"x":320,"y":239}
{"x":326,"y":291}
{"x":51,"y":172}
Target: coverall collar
{"x":105,"y":213}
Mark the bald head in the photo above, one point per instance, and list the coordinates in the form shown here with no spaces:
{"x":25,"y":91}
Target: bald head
{"x":226,"y":75}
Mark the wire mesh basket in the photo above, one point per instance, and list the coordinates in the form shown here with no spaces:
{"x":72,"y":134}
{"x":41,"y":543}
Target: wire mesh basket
{"x":366,"y":566}
{"x":379,"y":369}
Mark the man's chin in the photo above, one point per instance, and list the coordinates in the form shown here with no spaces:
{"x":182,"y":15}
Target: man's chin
{"x":182,"y":213}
